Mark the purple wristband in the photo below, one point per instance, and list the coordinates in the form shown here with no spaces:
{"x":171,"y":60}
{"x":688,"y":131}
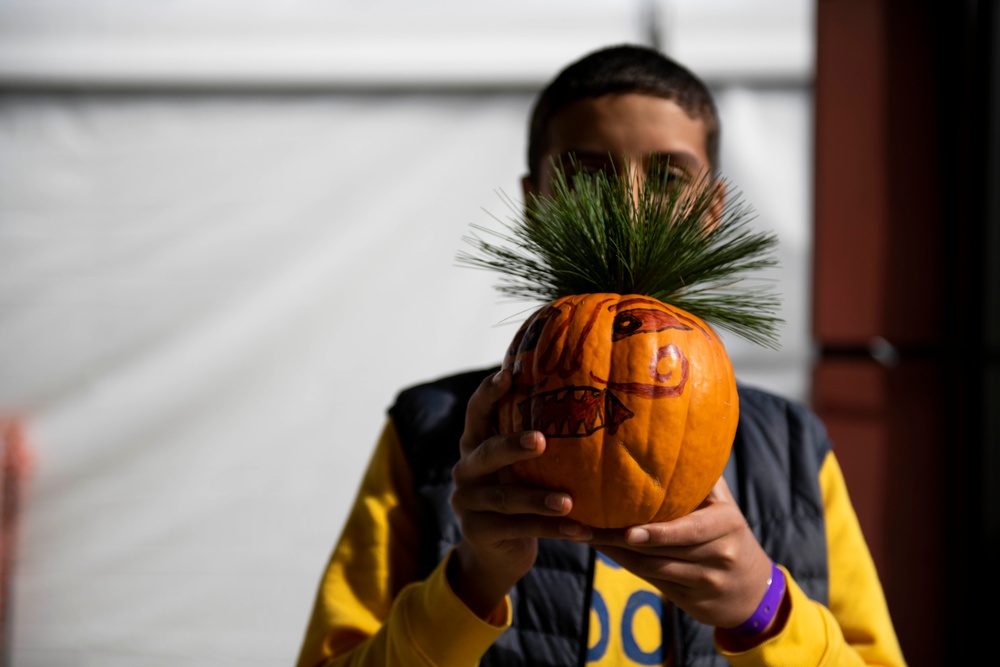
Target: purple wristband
{"x":767,"y":608}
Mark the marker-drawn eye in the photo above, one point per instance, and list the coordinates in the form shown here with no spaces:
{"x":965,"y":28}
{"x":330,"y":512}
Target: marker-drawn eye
{"x":643,"y":320}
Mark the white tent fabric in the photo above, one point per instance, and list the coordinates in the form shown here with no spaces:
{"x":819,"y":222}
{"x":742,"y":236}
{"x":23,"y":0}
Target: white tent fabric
{"x":209,"y":293}
{"x":379,"y":43}
{"x":207,"y":304}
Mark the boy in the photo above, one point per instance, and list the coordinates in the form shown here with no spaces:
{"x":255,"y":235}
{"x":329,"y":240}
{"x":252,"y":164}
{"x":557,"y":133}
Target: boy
{"x":441,"y":563}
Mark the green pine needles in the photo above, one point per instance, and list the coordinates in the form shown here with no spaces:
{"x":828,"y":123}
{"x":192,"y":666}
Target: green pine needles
{"x":683,"y":241}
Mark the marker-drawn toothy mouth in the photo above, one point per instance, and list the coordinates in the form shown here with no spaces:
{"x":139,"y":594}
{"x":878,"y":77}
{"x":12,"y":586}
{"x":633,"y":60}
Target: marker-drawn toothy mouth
{"x":573,"y":412}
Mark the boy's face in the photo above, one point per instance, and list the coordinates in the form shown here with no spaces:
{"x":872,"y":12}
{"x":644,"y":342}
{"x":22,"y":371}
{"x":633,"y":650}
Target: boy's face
{"x":633,"y":128}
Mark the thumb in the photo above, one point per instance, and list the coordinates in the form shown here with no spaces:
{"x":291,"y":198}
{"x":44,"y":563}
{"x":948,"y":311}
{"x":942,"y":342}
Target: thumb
{"x":720,"y":493}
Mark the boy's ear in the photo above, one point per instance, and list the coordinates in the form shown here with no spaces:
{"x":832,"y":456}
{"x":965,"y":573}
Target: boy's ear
{"x":528,"y":187}
{"x":718,"y":201}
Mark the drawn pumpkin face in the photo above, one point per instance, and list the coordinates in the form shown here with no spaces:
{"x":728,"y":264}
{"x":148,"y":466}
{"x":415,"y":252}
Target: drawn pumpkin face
{"x":637,"y":401}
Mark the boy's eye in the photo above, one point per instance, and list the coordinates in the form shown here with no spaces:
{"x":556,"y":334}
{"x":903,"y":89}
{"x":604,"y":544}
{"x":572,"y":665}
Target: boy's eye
{"x":677,"y":174}
{"x":593,"y":167}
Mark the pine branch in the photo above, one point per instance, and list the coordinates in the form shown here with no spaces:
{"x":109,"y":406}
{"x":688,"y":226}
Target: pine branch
{"x":686,"y":243}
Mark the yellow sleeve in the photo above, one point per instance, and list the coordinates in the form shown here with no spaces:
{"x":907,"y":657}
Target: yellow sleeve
{"x":369,"y":609}
{"x":856,"y":628}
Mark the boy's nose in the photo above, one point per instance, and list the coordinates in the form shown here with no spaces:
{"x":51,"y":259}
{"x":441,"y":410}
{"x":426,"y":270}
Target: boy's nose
{"x":632,"y":173}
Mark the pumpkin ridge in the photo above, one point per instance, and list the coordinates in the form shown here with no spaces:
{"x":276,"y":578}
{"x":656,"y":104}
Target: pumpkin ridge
{"x":610,"y":488}
{"x":675,"y":473}
{"x":638,"y":464}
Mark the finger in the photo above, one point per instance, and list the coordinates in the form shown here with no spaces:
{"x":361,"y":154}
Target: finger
{"x":608,"y":537}
{"x":696,"y":528}
{"x":510,"y":499}
{"x":682,"y":575}
{"x":720,"y":493}
{"x":492,"y":528}
{"x":497,"y":452}
{"x":651,"y":536}
{"x":618,"y":539}
{"x":717,"y":517}
{"x":480,"y":409}
{"x":677,"y":534}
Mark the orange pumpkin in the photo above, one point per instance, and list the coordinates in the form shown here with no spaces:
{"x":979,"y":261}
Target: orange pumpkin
{"x":637,"y":400}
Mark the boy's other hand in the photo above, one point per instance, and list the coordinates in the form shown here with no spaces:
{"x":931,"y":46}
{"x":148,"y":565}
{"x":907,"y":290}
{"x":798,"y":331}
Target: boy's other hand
{"x":708,"y":562}
{"x":501,"y":521}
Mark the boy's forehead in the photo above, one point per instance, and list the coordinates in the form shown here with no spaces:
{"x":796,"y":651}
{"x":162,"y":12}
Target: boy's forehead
{"x":630,"y":125}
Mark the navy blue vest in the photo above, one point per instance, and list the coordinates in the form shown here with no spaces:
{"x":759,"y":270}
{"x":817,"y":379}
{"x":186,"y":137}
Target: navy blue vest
{"x":772,"y":472}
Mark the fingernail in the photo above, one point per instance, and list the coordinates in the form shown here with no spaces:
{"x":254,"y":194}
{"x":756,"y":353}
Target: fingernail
{"x":529,"y":440}
{"x":497,"y":377}
{"x":638,"y":536}
{"x":555,"y":502}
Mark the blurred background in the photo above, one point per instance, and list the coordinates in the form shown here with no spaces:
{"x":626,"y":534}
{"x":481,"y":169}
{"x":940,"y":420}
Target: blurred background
{"x":227,"y":239}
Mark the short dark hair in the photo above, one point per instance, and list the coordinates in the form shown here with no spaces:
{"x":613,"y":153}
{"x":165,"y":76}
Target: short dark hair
{"x":620,"y":69}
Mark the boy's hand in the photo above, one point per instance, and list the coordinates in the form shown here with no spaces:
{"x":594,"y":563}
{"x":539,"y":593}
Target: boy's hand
{"x":500,"y":520}
{"x":708,"y":563}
